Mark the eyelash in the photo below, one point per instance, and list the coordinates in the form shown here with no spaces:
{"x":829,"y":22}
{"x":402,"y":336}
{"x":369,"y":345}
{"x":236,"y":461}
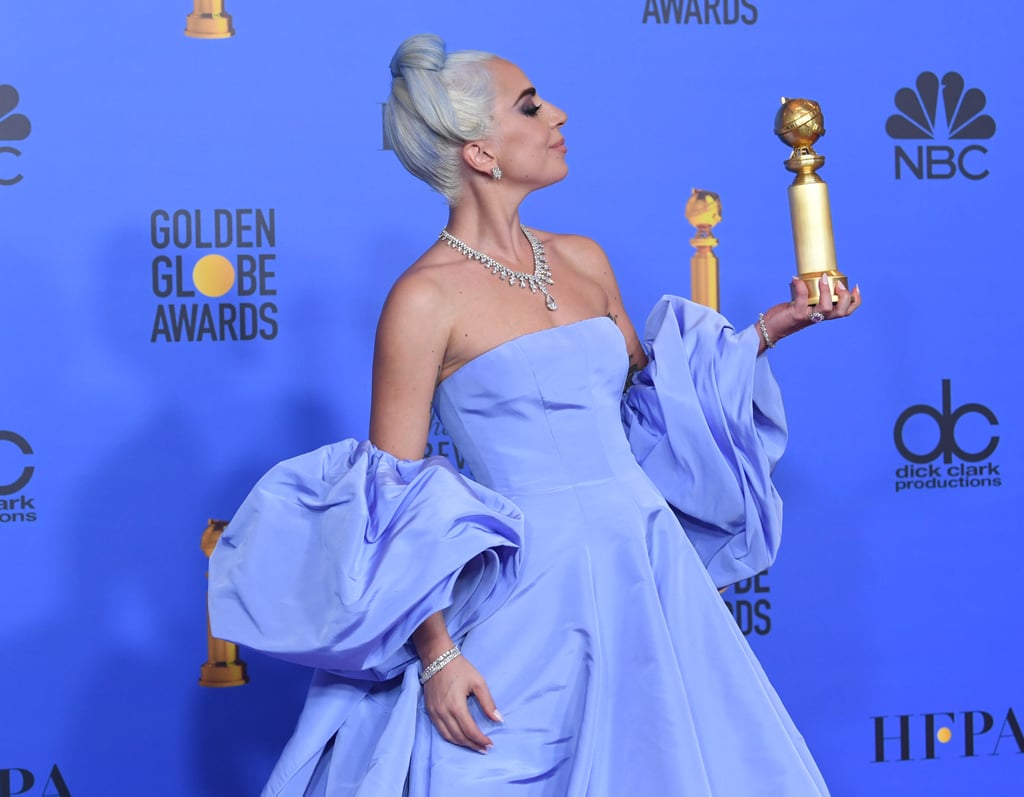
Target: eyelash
{"x":532,"y":110}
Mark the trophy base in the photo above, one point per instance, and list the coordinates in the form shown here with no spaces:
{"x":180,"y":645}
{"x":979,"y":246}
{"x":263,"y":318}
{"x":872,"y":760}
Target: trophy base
{"x":223,"y":674}
{"x":209,"y":26}
{"x":812,"y":280}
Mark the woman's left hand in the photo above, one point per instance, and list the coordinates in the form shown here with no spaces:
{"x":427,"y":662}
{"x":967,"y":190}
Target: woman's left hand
{"x":789,"y":317}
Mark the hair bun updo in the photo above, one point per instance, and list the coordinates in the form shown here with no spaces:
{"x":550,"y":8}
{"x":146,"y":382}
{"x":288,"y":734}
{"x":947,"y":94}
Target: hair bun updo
{"x":438,"y":102}
{"x":423,"y":51}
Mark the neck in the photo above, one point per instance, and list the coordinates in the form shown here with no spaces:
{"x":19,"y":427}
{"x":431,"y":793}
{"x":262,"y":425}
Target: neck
{"x":489,"y":231}
{"x":491,"y":226}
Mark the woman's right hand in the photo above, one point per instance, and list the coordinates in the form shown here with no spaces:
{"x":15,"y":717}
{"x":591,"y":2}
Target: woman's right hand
{"x":446,"y":698}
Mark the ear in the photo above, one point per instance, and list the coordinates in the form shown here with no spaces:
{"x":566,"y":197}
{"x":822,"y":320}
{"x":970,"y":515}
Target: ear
{"x":479,"y":156}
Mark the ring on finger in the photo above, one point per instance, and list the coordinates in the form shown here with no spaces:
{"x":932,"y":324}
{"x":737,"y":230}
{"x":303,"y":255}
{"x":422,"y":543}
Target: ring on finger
{"x":815,"y":317}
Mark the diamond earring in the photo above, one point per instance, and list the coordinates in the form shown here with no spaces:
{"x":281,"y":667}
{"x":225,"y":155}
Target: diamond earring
{"x":496,"y":173}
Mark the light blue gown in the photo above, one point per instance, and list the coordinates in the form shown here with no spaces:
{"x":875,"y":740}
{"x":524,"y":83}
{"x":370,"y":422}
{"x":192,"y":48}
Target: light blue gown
{"x":563,"y":570}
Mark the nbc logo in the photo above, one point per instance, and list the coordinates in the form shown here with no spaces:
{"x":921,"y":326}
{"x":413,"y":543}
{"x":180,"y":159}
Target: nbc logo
{"x":13,"y":127}
{"x":961,"y":120}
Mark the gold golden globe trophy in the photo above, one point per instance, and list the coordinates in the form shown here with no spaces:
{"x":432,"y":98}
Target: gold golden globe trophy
{"x":223,"y":667}
{"x":704,"y":211}
{"x":208,"y":20}
{"x":799,"y":123}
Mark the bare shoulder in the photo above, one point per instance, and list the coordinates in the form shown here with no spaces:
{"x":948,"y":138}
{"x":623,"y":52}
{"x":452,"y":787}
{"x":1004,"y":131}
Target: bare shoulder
{"x":581,"y":251}
{"x":420,"y":296}
{"x":586,"y":257}
{"x":415,"y":324}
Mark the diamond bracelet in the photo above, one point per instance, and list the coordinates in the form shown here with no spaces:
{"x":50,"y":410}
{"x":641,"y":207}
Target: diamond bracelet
{"x":764,"y":332}
{"x":439,"y":664}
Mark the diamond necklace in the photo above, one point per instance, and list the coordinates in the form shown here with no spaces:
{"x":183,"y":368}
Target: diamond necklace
{"x":537,"y":281}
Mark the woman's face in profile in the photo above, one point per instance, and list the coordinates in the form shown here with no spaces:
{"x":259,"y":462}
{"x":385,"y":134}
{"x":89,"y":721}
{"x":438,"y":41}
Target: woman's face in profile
{"x":530,"y":147}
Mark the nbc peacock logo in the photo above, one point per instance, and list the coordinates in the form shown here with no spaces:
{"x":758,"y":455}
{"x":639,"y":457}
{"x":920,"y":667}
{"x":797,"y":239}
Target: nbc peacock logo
{"x":961,"y":120}
{"x":13,"y":127}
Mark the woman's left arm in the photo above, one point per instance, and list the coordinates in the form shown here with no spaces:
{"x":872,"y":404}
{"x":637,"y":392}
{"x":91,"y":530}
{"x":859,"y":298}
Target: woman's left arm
{"x":786,"y":318}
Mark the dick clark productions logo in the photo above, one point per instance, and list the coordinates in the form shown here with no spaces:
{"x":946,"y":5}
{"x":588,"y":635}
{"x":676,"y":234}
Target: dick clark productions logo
{"x":13,"y":127}
{"x":224,"y":255}
{"x":924,"y":433}
{"x":961,"y":120}
{"x":15,"y":506}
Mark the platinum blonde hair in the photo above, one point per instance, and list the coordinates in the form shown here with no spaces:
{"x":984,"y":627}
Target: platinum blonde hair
{"x":438,"y":102}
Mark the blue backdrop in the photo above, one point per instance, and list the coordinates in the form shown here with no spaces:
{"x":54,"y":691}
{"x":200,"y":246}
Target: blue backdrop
{"x":137,"y":402}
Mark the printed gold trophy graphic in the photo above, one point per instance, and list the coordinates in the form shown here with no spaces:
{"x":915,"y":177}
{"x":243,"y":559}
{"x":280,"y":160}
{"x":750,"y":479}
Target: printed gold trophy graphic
{"x":208,"y":20}
{"x":704,"y":211}
{"x":799,"y":123}
{"x":223,"y":666}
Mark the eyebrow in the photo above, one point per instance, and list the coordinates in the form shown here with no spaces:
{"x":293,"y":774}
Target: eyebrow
{"x":530,"y":92}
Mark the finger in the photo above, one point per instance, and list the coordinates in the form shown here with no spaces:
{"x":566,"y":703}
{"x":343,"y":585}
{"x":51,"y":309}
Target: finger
{"x":447,"y":725}
{"x":800,"y":293}
{"x":483,"y":697}
{"x":842,"y":307}
{"x":825,"y":306}
{"x":450,"y":729}
{"x":469,"y":731}
{"x":443,"y":728}
{"x":855,"y":298}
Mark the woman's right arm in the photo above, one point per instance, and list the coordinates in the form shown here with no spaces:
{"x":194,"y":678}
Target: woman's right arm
{"x":412,"y":337}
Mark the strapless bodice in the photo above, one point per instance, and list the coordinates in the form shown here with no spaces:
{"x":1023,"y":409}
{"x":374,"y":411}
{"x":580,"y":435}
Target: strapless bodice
{"x":541,"y":412}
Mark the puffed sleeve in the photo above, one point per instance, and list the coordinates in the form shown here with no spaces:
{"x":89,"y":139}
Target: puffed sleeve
{"x":336,"y":556}
{"x":705,"y":420}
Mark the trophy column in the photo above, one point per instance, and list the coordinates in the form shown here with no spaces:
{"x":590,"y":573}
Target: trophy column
{"x":799,"y":123}
{"x":223,"y":666}
{"x":704,"y":211}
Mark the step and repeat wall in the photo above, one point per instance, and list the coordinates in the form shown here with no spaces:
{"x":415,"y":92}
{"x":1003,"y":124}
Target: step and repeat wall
{"x":197,"y":234}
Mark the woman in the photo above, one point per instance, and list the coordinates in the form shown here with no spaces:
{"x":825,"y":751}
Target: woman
{"x":578,"y":572}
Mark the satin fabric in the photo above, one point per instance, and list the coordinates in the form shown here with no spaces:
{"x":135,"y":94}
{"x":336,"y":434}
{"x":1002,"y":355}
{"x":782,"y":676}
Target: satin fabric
{"x":579,"y":596}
